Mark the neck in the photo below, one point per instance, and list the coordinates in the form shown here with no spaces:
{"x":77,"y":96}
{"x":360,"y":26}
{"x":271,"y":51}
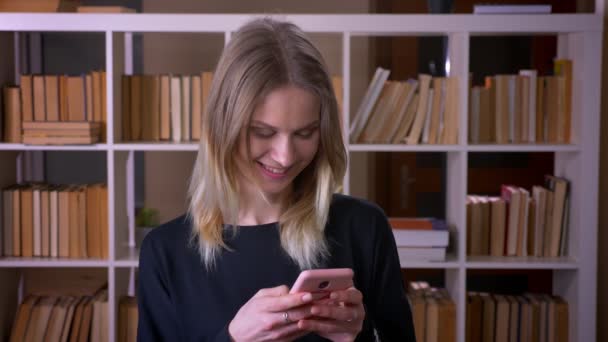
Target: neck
{"x":255,"y":209}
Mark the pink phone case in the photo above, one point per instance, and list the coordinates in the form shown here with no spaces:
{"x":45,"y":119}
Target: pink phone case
{"x":321,"y":282}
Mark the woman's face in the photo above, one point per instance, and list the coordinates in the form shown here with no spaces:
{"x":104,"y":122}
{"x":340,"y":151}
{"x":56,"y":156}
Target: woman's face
{"x":283,"y":139}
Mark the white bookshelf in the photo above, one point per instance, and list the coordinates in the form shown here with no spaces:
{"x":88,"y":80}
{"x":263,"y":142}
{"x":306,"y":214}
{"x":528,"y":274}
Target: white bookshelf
{"x":579,"y":38}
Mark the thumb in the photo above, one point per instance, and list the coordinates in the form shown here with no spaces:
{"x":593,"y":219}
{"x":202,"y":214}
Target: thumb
{"x":273,"y":291}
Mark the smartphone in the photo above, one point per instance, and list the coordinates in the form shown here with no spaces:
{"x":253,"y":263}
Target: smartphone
{"x":321,"y":282}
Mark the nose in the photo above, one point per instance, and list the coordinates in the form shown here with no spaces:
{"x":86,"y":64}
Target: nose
{"x":283,"y":151}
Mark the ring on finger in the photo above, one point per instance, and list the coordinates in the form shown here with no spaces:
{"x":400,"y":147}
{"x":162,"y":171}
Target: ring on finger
{"x":286,"y":317}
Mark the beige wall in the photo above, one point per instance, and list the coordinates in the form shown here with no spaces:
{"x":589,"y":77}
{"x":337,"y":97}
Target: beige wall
{"x":166,"y":174}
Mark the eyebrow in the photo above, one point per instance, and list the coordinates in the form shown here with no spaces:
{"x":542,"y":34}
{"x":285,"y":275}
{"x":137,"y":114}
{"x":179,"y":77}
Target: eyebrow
{"x":308,"y":126}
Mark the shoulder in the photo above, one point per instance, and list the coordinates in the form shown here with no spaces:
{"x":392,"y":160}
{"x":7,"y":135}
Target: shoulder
{"x":167,"y":238}
{"x":357,"y":208}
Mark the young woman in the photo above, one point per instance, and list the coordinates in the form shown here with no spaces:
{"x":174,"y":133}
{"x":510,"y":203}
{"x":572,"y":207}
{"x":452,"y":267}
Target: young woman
{"x":262,"y":209}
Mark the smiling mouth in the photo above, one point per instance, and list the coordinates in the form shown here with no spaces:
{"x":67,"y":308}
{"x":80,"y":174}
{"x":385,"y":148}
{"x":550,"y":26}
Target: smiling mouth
{"x":274,"y":171}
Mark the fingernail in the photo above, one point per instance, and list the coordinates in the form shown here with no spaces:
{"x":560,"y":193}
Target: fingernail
{"x":307,"y":297}
{"x":314,"y":310}
{"x":333,"y":295}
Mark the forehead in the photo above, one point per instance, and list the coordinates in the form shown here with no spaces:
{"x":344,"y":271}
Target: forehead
{"x":288,"y":107}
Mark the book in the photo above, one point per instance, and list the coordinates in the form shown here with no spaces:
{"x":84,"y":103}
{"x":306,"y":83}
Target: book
{"x":427,"y":254}
{"x":437,"y":237}
{"x":511,"y":9}
{"x":104,"y":9}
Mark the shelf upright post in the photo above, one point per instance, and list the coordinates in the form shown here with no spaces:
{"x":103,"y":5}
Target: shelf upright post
{"x":346,"y":39}
{"x":456,"y":177}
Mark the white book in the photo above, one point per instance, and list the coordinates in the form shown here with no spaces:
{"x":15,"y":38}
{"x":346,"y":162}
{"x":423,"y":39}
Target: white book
{"x":186,"y":109}
{"x":421,"y":253}
{"x":37,"y":226}
{"x":359,"y":116}
{"x":427,"y":120}
{"x":54,"y":220}
{"x":533,"y":75}
{"x":511,"y":9}
{"x":421,"y":237}
{"x":176,"y":109}
{"x":369,"y":105}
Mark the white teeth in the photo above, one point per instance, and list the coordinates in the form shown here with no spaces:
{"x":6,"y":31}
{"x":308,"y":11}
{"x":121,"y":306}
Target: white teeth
{"x":273,"y":170}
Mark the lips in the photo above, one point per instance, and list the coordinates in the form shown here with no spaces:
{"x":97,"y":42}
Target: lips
{"x":274,"y":173}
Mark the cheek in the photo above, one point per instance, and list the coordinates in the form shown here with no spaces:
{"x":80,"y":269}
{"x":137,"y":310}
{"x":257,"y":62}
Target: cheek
{"x":308,"y":149}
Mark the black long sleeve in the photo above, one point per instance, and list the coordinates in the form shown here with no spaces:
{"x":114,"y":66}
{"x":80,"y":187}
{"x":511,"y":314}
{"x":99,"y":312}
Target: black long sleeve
{"x":179,"y":300}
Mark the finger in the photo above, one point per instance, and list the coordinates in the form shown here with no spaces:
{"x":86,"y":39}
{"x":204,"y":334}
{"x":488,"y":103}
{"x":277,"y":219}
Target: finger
{"x":272,"y":291}
{"x":338,"y":313}
{"x":280,"y":333}
{"x":323,"y":326}
{"x":348,"y":296}
{"x":296,"y":335}
{"x":294,"y":314}
{"x":285,"y":302}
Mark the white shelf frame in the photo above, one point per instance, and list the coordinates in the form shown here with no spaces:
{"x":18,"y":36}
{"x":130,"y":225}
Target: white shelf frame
{"x":580,"y":37}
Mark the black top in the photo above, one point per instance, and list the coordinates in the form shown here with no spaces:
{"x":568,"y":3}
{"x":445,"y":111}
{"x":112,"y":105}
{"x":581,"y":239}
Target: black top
{"x":179,"y":300}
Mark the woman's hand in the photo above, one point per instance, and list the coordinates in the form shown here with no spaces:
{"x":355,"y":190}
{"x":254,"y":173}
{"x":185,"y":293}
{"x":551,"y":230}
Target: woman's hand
{"x":341,"y":322}
{"x":271,"y":315}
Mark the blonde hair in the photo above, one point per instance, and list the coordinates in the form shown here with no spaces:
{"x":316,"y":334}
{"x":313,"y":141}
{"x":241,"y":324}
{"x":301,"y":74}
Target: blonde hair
{"x":262,"y":56}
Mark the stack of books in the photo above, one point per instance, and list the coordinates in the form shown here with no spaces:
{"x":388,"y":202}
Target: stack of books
{"x":62,"y":318}
{"x":66,"y":221}
{"x":60,"y":133}
{"x":520,"y":223}
{"x":420,"y":239}
{"x":127,"y":319}
{"x":529,"y":317}
{"x":407,"y":112}
{"x":170,"y":107}
{"x":433,"y":312}
{"x":60,"y":101}
{"x":523,"y":108}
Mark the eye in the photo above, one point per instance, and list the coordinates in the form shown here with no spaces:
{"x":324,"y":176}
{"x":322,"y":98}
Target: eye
{"x":306,"y":133}
{"x":261,"y":132}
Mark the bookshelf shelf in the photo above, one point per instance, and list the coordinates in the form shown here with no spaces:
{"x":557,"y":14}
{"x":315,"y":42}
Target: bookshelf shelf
{"x":404,"y":148}
{"x":50,"y":262}
{"x":127,"y":257}
{"x":523,"y":263}
{"x":579,"y":38}
{"x":523,"y":148}
{"x":357,"y":24}
{"x":155,"y":147}
{"x":23,"y":147}
{"x":451,"y":262}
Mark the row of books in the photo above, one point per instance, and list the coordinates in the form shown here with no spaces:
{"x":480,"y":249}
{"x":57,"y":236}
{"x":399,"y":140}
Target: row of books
{"x":170,"y":107}
{"x":54,"y":98}
{"x":163,"y":107}
{"x":420,"y":239}
{"x":407,"y":112}
{"x":127,"y":319}
{"x":520,"y":224}
{"x":66,"y":221}
{"x":433,"y":312}
{"x":526,"y":318}
{"x":523,"y":108}
{"x":62,"y":318}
